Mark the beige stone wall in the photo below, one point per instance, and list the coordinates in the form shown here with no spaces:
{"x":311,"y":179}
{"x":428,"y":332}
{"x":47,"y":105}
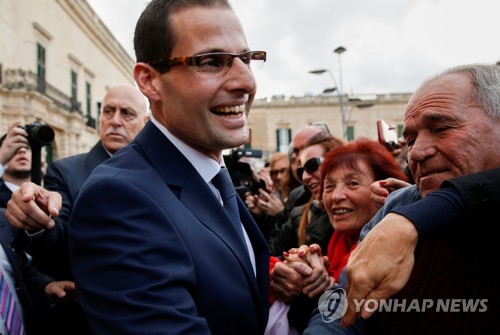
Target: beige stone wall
{"x":74,"y":39}
{"x":266,"y":116}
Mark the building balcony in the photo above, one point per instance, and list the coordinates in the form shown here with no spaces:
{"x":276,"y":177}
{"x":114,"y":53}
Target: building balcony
{"x":18,"y":79}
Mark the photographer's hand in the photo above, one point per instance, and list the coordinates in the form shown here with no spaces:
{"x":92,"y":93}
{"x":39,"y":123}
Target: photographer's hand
{"x":15,"y":139}
{"x":32,"y":207}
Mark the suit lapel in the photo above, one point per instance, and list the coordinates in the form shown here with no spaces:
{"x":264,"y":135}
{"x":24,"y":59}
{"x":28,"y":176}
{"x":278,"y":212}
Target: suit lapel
{"x":183,"y":179}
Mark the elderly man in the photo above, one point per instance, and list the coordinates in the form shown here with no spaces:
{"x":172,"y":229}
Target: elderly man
{"x":451,"y":125}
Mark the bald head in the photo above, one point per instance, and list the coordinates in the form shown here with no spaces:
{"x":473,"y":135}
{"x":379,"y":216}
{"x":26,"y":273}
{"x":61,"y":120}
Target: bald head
{"x":124,"y":113}
{"x":302,"y":135}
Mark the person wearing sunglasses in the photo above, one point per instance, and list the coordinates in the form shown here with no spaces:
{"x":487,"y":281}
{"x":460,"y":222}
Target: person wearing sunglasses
{"x":310,"y":166}
{"x":298,"y":194}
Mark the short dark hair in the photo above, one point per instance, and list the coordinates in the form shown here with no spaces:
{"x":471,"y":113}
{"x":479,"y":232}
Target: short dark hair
{"x":154,"y":37}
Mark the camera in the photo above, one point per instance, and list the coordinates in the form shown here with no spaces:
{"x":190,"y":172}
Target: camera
{"x":39,"y":134}
{"x":241,"y":172}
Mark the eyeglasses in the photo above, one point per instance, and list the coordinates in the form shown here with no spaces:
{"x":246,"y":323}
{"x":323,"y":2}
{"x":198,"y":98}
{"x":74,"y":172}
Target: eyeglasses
{"x":312,"y":165}
{"x":213,"y":62}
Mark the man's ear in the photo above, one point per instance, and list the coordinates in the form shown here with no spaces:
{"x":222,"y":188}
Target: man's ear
{"x":146,"y":78}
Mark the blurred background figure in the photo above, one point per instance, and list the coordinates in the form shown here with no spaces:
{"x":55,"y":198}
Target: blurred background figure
{"x":268,"y":202}
{"x":299,"y":194}
{"x":15,"y":138}
{"x":279,"y":166}
{"x":16,"y":161}
{"x":18,"y":171}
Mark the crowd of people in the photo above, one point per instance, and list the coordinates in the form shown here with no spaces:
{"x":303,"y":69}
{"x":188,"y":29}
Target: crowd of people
{"x":146,"y":234}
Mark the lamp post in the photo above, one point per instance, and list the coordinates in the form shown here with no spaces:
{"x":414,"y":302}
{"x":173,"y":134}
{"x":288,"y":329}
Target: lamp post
{"x":339,"y":51}
{"x":339,"y":95}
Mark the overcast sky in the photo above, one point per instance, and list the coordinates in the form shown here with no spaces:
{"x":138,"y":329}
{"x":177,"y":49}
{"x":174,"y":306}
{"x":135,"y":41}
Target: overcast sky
{"x":391,"y":45}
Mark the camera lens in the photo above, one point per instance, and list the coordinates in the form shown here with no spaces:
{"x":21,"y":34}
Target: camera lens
{"x":42,"y":134}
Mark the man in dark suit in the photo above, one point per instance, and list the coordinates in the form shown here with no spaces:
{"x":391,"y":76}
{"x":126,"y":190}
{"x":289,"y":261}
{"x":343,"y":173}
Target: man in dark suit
{"x":155,"y":244}
{"x":152,"y":248}
{"x":124,"y":114}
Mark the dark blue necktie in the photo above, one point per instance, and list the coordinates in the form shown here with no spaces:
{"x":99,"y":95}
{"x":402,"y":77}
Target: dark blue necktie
{"x":228,"y":195}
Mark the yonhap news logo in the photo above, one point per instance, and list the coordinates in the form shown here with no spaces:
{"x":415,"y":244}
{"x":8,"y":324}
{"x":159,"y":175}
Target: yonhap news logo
{"x":333,"y":305}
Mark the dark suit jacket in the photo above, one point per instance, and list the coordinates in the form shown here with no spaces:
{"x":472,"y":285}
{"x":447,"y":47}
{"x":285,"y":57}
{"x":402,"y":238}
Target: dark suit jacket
{"x":29,"y":281}
{"x":480,"y":191}
{"x":5,"y":194}
{"x":50,"y":249}
{"x":153,"y":251}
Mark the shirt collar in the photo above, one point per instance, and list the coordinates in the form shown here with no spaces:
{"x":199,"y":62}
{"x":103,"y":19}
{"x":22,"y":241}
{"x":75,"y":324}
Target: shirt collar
{"x":205,"y":166}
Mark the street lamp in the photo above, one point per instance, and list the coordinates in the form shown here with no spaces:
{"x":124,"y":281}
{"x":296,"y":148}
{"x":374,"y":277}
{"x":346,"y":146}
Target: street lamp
{"x":339,"y":51}
{"x":339,"y":95}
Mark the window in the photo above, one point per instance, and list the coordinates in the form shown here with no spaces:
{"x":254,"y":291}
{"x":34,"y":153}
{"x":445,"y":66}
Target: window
{"x":400,"y":130}
{"x":74,"y":83}
{"x":40,"y":67}
{"x":350,"y":133}
{"x":283,"y":139}
{"x":88,"y":99}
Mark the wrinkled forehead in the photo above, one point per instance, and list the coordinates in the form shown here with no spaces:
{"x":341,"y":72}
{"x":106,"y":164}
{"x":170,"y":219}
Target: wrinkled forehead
{"x":450,"y":92}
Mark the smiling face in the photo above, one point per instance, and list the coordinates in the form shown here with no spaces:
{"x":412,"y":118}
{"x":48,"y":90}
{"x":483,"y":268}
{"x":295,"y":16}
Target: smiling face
{"x":346,"y":197}
{"x":208,"y":111}
{"x":312,"y":179}
{"x":448,"y":133}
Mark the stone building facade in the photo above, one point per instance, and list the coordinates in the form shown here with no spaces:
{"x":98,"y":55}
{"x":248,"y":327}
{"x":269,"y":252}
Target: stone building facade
{"x":57,"y":60}
{"x":273,"y":122}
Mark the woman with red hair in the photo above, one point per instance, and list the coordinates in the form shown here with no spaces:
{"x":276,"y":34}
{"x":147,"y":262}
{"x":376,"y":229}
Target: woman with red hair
{"x":347,"y":174}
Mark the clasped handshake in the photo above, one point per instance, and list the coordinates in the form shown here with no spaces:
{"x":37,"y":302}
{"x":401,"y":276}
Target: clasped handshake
{"x":304,"y":270}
